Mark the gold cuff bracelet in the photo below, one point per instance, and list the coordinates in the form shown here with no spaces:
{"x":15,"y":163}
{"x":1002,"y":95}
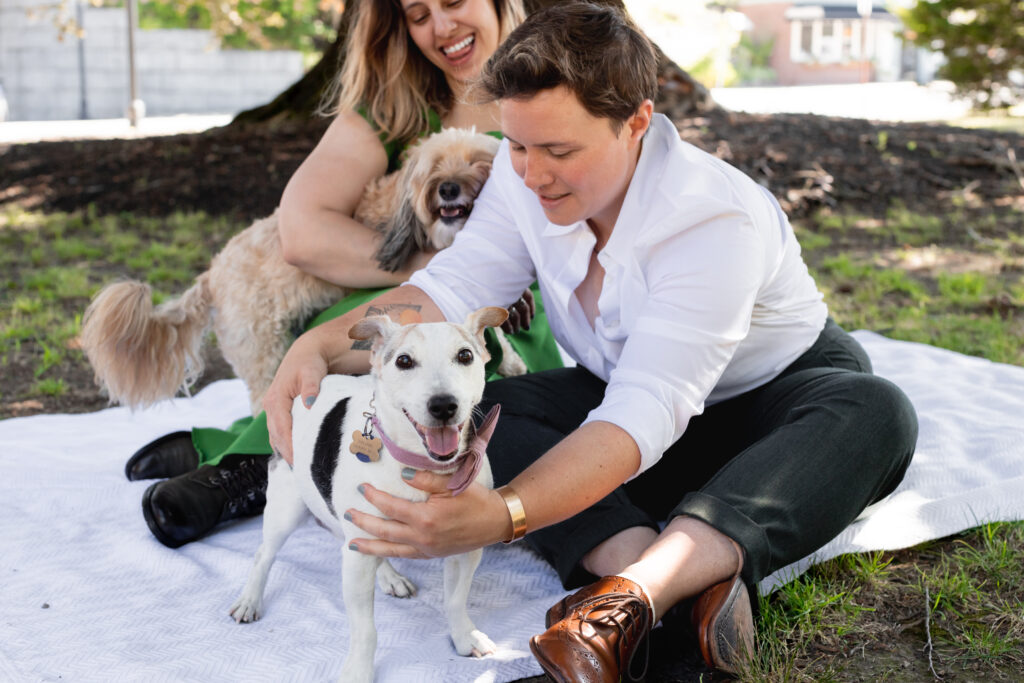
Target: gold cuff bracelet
{"x":515,"y":511}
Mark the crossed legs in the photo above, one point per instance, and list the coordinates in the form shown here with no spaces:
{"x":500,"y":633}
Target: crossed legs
{"x":774,"y":473}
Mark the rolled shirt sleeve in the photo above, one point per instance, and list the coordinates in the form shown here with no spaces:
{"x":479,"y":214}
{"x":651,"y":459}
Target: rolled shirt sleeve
{"x":696,"y":313}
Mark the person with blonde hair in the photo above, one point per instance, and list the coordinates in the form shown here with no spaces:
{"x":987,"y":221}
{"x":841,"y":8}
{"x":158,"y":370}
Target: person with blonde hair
{"x":407,"y":66}
{"x":718,"y":425}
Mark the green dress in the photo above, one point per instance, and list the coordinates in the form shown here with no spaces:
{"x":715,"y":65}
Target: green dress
{"x":248,"y":436}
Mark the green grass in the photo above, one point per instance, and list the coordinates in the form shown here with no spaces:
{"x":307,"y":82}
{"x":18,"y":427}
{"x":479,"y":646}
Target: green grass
{"x":52,"y":264}
{"x":51,"y":387}
{"x":866,"y":601}
{"x":999,"y":121}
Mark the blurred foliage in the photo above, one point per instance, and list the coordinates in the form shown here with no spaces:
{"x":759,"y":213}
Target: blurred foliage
{"x":712,"y":72}
{"x":305,"y":25}
{"x":982,"y":41}
{"x":752,"y":60}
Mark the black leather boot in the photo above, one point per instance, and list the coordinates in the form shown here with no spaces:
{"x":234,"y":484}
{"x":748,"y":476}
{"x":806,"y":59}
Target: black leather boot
{"x":190,"y":505}
{"x":168,"y":456}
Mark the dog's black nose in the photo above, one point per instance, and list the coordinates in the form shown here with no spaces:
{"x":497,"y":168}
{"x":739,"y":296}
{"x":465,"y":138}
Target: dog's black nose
{"x":442,"y":406}
{"x":449,"y":191}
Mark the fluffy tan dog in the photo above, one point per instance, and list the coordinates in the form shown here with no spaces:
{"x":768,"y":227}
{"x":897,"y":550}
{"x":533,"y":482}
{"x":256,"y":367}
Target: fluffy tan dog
{"x":254,"y":299}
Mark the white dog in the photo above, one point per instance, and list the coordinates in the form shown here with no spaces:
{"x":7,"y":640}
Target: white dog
{"x":414,"y":410}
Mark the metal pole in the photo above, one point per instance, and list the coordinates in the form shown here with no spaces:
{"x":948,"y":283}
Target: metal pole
{"x":864,"y":9}
{"x":136,"y":109}
{"x":83,"y":108}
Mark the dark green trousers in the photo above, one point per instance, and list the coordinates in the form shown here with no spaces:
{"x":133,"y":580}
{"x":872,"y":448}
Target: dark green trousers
{"x":781,"y":469}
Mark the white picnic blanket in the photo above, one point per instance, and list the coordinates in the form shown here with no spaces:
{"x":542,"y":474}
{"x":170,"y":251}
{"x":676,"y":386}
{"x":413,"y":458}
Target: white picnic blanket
{"x":86,"y":594}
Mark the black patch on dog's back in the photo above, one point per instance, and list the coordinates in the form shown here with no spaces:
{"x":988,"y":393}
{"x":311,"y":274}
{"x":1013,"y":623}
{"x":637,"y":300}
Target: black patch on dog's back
{"x":326,"y":451}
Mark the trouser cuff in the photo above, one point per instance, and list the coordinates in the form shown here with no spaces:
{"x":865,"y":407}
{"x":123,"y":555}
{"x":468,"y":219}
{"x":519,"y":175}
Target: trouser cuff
{"x":564,"y":545}
{"x":737,"y":526}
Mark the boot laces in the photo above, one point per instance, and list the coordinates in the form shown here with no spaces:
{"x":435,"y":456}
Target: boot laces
{"x":245,"y":485}
{"x":628,"y":613}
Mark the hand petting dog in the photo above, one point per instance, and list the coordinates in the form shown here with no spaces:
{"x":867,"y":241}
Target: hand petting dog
{"x":440,"y":526}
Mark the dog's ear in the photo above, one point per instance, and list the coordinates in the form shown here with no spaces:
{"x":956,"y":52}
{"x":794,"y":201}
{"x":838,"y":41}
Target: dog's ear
{"x":373,"y":329}
{"x":491,"y":316}
{"x":403,"y":236}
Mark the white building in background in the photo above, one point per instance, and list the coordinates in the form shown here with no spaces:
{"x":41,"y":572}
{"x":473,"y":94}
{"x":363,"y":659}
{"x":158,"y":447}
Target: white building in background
{"x":179,"y":71}
{"x":819,"y":42}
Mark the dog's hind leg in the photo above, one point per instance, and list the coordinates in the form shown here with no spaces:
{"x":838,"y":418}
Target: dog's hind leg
{"x":393,"y":583}
{"x":512,"y":364}
{"x":284,"y":512}
{"x":458,"y":575}
{"x":357,"y":571}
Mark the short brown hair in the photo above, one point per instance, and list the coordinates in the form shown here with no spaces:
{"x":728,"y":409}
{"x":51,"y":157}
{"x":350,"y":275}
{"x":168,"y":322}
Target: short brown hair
{"x":595,"y":51}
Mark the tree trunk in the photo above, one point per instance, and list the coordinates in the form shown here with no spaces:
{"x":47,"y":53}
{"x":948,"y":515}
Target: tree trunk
{"x":302,"y":99}
{"x":678,"y":93}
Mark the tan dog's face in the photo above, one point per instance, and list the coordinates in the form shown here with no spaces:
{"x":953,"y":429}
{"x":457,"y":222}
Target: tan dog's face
{"x":440,"y":180}
{"x":448,"y":169}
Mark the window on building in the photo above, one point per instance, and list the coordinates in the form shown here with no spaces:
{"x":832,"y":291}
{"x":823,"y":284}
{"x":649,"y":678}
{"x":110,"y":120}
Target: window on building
{"x":806,"y":33}
{"x":826,"y":41}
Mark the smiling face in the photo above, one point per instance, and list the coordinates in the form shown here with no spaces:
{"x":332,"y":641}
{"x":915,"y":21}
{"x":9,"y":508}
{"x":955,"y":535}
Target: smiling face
{"x":457,"y":36}
{"x":576,"y":164}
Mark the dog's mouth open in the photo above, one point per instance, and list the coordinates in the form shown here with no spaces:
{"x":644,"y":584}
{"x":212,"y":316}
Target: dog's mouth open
{"x":450,"y":213}
{"x":441,"y":442}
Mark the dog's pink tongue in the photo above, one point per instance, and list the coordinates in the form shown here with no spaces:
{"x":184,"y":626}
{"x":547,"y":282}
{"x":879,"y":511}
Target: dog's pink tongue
{"x":442,"y":440}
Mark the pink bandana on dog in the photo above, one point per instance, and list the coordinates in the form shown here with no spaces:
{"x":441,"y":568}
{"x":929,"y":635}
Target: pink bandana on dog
{"x":469,"y":461}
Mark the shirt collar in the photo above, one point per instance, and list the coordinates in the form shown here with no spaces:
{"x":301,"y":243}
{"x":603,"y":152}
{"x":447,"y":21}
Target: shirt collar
{"x":553,"y":230}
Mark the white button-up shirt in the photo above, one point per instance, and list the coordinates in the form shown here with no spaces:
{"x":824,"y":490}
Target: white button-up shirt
{"x":705,"y":295}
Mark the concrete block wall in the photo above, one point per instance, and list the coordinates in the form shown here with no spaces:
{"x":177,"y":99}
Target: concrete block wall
{"x":179,"y":71}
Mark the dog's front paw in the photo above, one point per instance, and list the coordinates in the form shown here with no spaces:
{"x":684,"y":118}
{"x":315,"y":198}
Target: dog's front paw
{"x":246,"y":609}
{"x":475,"y":643}
{"x":393,"y":583}
{"x":356,"y":673}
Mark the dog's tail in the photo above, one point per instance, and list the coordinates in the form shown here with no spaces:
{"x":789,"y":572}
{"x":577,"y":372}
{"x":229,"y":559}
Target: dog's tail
{"x":142,"y":354}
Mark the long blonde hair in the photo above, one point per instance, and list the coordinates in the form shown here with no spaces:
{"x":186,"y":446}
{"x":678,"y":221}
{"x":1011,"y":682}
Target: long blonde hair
{"x":386,"y":74}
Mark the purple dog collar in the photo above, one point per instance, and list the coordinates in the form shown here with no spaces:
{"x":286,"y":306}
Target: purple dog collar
{"x":469,"y":461}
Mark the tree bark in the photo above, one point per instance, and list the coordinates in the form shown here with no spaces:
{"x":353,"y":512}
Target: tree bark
{"x":679,"y":94}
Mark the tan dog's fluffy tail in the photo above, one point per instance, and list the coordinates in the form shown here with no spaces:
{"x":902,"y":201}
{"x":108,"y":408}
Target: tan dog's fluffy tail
{"x":142,"y":354}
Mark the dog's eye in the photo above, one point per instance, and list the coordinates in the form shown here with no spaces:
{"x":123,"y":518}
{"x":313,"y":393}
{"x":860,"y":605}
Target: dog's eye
{"x":465,"y":356}
{"x":405,"y":362}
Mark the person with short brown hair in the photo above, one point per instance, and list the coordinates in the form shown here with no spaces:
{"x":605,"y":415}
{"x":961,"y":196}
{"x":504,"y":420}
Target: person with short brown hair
{"x":718,"y":424}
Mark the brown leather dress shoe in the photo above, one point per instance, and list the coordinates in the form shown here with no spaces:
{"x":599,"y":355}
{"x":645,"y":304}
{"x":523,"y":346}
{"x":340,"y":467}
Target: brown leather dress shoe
{"x":598,"y":639}
{"x":724,"y":623}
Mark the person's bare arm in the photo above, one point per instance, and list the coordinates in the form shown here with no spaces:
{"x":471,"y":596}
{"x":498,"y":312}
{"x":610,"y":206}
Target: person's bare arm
{"x":318,"y":233}
{"x":328,"y":349}
{"x":579,"y":471}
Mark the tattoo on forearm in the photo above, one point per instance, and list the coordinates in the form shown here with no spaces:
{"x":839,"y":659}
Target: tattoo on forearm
{"x":407,"y":314}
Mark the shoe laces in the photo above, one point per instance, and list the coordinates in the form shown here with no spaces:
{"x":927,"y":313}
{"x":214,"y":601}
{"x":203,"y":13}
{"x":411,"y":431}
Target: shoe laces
{"x":245,"y":486}
{"x":603,"y":609}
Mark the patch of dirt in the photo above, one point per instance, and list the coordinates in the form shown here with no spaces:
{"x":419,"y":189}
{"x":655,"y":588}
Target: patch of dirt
{"x":81,"y":394}
{"x":806,"y":161}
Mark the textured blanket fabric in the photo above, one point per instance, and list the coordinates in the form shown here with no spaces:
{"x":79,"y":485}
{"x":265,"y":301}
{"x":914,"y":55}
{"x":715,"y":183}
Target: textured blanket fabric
{"x":86,"y":593}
